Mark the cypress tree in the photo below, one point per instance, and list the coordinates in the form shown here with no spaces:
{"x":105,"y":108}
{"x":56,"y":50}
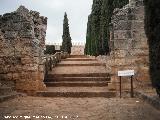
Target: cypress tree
{"x":88,"y":39}
{"x":93,"y":29}
{"x":66,"y":44}
{"x":98,"y":35}
{"x":152,"y":29}
{"x":106,"y":14}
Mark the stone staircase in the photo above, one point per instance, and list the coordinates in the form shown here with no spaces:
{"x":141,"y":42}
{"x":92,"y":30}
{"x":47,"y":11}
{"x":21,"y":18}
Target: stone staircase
{"x":78,"y":76}
{"x":7,"y":91}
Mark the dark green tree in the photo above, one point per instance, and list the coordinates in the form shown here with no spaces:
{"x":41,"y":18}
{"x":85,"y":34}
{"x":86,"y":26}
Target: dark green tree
{"x":106,"y":14}
{"x":98,"y":34}
{"x":93,"y":29}
{"x":50,"y":49}
{"x":66,"y":43}
{"x":88,"y":39}
{"x":152,"y":28}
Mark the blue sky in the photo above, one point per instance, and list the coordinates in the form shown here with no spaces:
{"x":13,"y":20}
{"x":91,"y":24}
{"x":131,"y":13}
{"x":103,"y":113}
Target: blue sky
{"x":77,"y":10}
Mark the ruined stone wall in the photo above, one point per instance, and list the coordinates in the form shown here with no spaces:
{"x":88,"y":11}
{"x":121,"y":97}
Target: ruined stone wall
{"x":22,"y":42}
{"x":129,"y":47}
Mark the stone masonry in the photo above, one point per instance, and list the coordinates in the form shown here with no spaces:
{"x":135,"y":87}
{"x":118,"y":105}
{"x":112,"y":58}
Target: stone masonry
{"x":22,"y":42}
{"x":77,"y":50}
{"x":129,"y":47}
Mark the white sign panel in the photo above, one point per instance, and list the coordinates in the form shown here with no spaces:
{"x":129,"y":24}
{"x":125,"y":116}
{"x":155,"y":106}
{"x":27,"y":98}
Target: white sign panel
{"x":126,"y":73}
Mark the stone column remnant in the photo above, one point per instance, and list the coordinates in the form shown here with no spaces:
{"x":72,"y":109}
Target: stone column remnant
{"x":22,"y":43}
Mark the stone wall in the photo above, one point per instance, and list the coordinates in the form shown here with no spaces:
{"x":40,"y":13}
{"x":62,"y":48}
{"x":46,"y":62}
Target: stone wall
{"x":77,"y":50}
{"x":22,"y":43}
{"x":129,"y":47}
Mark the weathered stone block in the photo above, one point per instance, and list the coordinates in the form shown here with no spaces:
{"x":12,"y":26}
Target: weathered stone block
{"x":26,"y":75}
{"x":24,"y":85}
{"x":138,"y":24}
{"x":26,"y":34}
{"x":41,"y":68}
{"x":140,"y":44}
{"x":142,"y":61}
{"x":3,"y":76}
{"x":30,"y":67}
{"x":17,"y":18}
{"x":27,"y":60}
{"x":122,"y":44}
{"x":139,"y":52}
{"x":139,"y":35}
{"x":41,"y":76}
{"x":19,"y":68}
{"x":22,"y":11}
{"x":27,"y":26}
{"x":119,"y":61}
{"x":123,"y":25}
{"x":4,"y":69}
{"x":9,"y":76}
{"x":119,"y":53}
{"x":36,"y":60}
{"x":16,"y":76}
{"x":122,"y":34}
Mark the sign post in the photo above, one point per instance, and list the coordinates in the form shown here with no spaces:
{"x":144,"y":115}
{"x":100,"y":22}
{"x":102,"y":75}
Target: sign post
{"x":126,"y":73}
{"x":132,"y":87}
{"x":120,"y":86}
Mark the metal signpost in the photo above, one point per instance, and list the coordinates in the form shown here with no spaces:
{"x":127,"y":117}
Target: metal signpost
{"x":126,"y":73}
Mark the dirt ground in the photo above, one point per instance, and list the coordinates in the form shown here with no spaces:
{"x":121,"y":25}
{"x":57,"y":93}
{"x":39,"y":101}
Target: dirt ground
{"x":40,"y":108}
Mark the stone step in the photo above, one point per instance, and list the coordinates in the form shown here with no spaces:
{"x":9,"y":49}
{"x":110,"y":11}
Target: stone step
{"x":108,"y":94}
{"x":79,"y":59}
{"x":9,"y":96}
{"x":79,"y":70}
{"x":78,"y":62}
{"x":6,"y":90}
{"x":78,"y":56}
{"x":77,"y":84}
{"x":77,"y":92}
{"x":87,"y":64}
{"x":79,"y":75}
{"x":56,"y":79}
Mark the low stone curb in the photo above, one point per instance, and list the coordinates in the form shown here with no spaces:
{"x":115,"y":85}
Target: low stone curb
{"x":152,"y":100}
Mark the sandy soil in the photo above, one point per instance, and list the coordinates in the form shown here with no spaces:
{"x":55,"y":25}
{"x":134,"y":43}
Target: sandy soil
{"x":77,"y":109}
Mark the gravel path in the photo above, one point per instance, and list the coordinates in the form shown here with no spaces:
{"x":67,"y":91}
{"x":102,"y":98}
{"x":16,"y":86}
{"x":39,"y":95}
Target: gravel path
{"x":78,"y":109}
